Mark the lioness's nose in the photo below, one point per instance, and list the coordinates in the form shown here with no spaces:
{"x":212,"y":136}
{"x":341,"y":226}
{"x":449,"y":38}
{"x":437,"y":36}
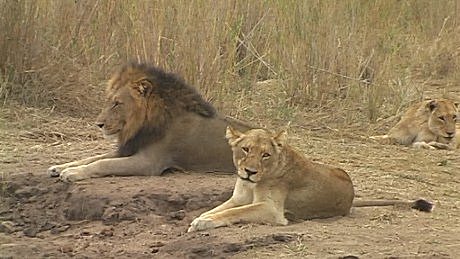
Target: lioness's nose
{"x":100,"y":124}
{"x":250,"y":171}
{"x":450,"y":134}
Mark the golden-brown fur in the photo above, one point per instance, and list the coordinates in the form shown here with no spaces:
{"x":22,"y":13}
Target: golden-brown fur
{"x":274,"y":179}
{"x":428,"y":124}
{"x":160,"y":122}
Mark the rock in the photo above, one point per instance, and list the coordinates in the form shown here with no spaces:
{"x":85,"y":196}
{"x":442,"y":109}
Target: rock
{"x":177,"y":215}
{"x":66,"y":249}
{"x":283,"y":237}
{"x":108,"y":232}
{"x":114,"y":215}
{"x":47,"y":226}
{"x":233,"y":248}
{"x":157,"y":244}
{"x":25,"y":192}
{"x":59,"y":229}
{"x":30,"y":231}
{"x":81,"y":207}
{"x":7,"y":227}
{"x":126,"y":215}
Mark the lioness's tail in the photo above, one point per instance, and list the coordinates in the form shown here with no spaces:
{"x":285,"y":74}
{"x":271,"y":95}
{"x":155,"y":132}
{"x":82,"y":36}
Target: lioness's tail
{"x":421,"y":204}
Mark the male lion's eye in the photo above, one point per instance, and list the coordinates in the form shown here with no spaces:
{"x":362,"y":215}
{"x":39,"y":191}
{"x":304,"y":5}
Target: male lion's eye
{"x":115,"y":104}
{"x":454,"y":117}
{"x":266,"y":155}
{"x":245,"y":149}
{"x":441,"y":118}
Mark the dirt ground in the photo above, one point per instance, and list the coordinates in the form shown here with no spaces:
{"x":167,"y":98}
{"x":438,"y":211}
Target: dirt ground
{"x":147,"y":217}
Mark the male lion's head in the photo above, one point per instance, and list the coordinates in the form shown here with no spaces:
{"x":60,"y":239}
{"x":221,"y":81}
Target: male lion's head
{"x":257,"y":153}
{"x":442,"y":118}
{"x":142,"y":101}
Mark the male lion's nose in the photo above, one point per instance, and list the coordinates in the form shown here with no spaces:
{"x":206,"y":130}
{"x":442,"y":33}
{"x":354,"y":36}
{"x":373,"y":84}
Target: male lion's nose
{"x":100,"y":124}
{"x":250,"y":171}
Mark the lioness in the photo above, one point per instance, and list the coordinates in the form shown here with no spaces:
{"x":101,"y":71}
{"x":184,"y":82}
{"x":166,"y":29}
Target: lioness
{"x":160,"y":122}
{"x":428,"y":124}
{"x":273,"y":178}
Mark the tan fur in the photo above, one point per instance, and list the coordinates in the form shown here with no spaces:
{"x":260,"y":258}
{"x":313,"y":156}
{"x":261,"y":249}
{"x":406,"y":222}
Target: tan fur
{"x":457,"y":136}
{"x":428,"y":124}
{"x":274,"y":179}
{"x":160,"y":122}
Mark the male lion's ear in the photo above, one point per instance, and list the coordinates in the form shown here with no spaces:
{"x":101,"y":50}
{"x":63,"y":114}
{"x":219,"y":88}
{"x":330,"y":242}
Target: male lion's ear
{"x":232,"y":135}
{"x":431,"y":105}
{"x":280,"y":139}
{"x":143,"y":86}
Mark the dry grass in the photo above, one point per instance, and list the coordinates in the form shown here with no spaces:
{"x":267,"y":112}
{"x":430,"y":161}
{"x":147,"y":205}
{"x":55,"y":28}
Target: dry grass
{"x":368,"y":57}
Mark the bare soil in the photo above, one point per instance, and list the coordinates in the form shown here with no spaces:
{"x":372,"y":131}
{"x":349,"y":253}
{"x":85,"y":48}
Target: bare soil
{"x":147,"y":217}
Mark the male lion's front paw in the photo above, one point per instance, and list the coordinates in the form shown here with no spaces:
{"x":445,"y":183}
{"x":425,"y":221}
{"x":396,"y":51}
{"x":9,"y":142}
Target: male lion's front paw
{"x":55,"y":170}
{"x":199,"y":224}
{"x":73,"y":174}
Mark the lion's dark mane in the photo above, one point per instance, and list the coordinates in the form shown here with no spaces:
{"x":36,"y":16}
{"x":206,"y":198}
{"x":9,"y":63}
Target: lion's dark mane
{"x":176,"y":96}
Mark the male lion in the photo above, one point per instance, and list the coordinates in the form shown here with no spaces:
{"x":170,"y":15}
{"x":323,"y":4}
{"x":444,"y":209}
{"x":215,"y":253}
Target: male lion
{"x":428,"y":124}
{"x":274,"y":179}
{"x":160,"y":122}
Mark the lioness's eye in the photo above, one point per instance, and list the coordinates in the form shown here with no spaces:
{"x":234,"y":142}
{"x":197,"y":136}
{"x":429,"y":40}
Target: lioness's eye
{"x":441,"y":118}
{"x":245,"y":149}
{"x":265,"y":155}
{"x":454,"y":117}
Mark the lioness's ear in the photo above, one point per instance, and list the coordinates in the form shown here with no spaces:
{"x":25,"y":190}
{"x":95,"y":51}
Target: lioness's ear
{"x":431,"y":105}
{"x":143,"y":86}
{"x":280,"y":139}
{"x":232,"y":135}
{"x":457,"y":104}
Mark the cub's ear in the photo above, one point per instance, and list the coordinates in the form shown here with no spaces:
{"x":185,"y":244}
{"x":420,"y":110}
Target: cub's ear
{"x":233,"y":135}
{"x":431,"y":105}
{"x":143,"y":87}
{"x":280,"y":139}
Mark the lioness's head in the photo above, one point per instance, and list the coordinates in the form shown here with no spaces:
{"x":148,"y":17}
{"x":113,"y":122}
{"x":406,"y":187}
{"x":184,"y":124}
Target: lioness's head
{"x":141,"y":102}
{"x":257,"y":153}
{"x":443,"y":116}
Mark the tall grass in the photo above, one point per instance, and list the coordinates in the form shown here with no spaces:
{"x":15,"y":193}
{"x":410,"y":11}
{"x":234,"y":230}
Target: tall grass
{"x":371,"y":56}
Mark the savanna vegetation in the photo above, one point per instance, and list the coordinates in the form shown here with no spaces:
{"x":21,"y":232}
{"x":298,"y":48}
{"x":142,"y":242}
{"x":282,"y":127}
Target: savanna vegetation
{"x":357,"y":59}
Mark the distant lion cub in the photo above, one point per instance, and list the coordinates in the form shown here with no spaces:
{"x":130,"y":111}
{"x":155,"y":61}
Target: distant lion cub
{"x":428,"y":124}
{"x":274,"y":178}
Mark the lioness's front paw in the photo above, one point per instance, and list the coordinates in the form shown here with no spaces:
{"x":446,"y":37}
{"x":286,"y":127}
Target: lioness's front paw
{"x":199,"y":224}
{"x":73,"y":174}
{"x":438,"y":145}
{"x":55,"y":170}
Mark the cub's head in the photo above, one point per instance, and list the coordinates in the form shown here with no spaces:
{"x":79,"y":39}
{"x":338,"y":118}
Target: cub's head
{"x":443,"y":116}
{"x":257,"y":153}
